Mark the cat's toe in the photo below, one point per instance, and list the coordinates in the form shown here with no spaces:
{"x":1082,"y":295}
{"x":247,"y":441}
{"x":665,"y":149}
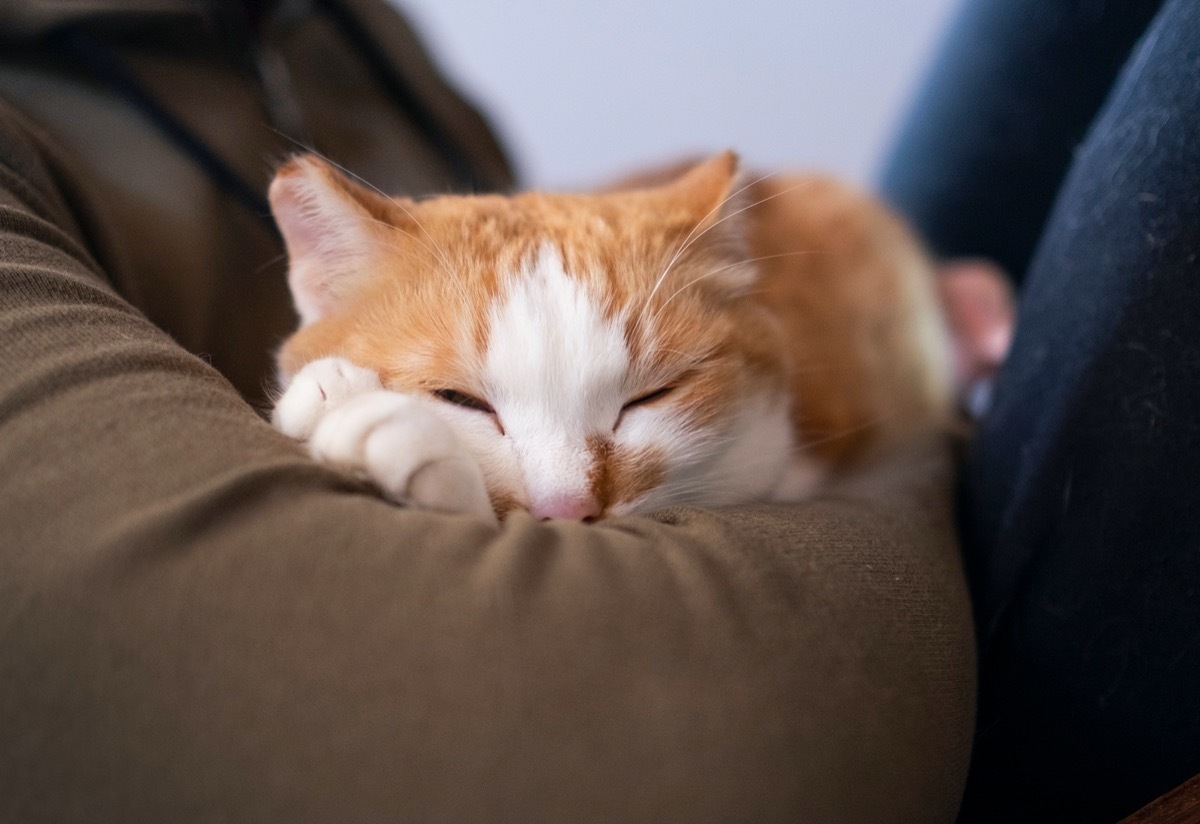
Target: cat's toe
{"x":453,"y":484}
{"x":341,"y":380}
{"x":315,"y":390}
{"x":299,"y":409}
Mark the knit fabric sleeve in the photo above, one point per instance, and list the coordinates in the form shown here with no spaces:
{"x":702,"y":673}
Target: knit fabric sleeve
{"x":198,"y":623}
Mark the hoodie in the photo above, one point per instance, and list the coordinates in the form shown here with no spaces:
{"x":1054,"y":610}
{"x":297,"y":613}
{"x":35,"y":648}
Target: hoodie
{"x":166,"y":118}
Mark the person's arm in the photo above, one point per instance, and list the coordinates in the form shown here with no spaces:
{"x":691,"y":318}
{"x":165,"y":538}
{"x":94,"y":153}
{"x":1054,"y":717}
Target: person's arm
{"x":199,"y":623}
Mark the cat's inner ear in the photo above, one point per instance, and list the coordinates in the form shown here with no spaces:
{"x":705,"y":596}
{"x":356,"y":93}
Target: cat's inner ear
{"x":334,"y":230}
{"x":713,"y":198}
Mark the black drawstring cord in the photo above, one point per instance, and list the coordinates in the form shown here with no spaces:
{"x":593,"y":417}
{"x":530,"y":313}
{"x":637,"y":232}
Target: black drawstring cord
{"x":109,"y":71}
{"x":404,"y":97}
{"x":90,"y":55}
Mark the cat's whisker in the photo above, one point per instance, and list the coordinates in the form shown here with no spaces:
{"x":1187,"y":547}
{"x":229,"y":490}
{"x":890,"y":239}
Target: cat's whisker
{"x":807,"y":445}
{"x":453,"y":278}
{"x":693,"y":358}
{"x":718,"y":271}
{"x":698,"y":495}
{"x":268,"y":264}
{"x":690,"y":240}
{"x":694,"y":490}
{"x":687,"y":241}
{"x":405,"y":250}
{"x":314,"y":151}
{"x":437,"y":250}
{"x":808,"y":368}
{"x":433,"y":247}
{"x":694,"y":238}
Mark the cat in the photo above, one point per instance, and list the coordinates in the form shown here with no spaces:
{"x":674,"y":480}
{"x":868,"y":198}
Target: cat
{"x":693,"y":337}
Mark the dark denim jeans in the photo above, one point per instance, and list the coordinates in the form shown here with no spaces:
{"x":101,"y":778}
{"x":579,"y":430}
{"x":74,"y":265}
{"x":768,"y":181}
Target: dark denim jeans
{"x":1063,"y":140}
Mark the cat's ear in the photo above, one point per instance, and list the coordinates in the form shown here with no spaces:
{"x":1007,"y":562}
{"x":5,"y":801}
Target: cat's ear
{"x":332,"y":228}
{"x":713,"y":198}
{"x":706,"y":185}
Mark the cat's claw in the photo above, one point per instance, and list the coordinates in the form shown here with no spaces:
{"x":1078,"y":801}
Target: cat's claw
{"x":392,"y":439}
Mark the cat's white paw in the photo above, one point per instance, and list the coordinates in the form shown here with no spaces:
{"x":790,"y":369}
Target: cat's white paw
{"x":348,"y":420}
{"x":316,"y":390}
{"x":402,"y":446}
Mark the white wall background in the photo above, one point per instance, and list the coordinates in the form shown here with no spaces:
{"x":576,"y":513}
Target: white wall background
{"x":581,"y":90}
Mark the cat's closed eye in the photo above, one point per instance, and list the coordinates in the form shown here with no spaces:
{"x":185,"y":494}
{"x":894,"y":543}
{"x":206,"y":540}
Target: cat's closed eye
{"x":458,"y":398}
{"x":466,"y":401}
{"x":643,"y":400}
{"x":648,"y":398}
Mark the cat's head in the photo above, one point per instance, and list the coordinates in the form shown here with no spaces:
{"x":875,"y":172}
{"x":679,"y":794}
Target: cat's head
{"x":598,"y":354}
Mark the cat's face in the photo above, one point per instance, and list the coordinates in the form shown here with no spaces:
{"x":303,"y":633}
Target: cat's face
{"x":597,"y":355}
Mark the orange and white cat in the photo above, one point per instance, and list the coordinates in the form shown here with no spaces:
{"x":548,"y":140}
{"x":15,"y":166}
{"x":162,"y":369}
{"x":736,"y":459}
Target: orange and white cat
{"x":691,"y":338}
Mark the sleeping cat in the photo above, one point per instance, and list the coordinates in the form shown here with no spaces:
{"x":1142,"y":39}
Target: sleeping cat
{"x":690,"y":338}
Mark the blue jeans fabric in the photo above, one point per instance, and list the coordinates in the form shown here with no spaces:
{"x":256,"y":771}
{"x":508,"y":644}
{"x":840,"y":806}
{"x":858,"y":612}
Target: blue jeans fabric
{"x":1080,"y":497}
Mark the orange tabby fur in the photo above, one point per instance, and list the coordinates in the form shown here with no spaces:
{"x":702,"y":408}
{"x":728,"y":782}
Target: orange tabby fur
{"x":841,"y":308}
{"x":868,"y":354}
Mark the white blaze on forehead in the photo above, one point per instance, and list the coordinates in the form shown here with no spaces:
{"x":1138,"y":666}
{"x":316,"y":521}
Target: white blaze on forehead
{"x":555,"y":372}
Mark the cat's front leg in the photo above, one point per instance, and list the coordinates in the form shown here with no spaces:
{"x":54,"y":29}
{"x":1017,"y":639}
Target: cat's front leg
{"x":394,"y":439}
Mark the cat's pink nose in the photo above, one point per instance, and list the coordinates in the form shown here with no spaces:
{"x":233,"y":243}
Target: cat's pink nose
{"x":570,"y":507}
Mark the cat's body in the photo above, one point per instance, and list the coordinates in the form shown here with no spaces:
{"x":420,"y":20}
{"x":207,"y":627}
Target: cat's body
{"x":701,"y":341}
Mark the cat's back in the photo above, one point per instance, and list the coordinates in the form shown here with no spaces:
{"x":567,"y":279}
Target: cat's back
{"x":853,"y":291}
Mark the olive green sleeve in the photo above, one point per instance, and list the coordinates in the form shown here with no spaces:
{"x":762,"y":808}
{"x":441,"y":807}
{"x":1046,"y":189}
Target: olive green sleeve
{"x":198,"y":623}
